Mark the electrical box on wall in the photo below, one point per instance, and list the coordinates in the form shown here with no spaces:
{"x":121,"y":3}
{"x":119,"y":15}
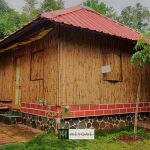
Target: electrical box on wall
{"x":106,"y":69}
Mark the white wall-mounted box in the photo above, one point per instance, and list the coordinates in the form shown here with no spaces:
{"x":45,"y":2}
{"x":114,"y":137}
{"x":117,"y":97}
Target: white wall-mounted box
{"x":106,"y":69}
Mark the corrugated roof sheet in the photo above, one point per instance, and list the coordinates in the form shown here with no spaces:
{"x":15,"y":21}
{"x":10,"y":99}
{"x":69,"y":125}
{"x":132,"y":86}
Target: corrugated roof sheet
{"x":86,"y":18}
{"x":81,"y":17}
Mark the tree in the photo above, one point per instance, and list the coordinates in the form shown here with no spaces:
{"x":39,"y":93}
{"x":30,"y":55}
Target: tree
{"x":8,"y":18}
{"x":30,"y":11}
{"x":137,"y":17}
{"x":9,"y":22}
{"x":101,"y":8}
{"x":3,"y":7}
{"x":140,"y":57}
{"x":29,"y":6}
{"x":49,"y":5}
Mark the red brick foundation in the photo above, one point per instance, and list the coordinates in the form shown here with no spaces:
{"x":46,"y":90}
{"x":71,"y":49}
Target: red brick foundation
{"x":84,"y":110}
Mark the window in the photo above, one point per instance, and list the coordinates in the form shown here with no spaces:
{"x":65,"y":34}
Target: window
{"x":37,"y":65}
{"x":113,"y":59}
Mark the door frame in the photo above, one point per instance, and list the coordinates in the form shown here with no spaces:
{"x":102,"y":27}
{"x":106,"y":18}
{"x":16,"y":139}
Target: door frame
{"x":17,"y":106}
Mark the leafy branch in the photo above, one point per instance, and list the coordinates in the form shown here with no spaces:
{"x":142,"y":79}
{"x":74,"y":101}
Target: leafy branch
{"x":142,"y":54}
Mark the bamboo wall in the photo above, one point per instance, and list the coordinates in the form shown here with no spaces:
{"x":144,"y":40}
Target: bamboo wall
{"x":39,"y":71}
{"x":81,"y":57}
{"x":46,"y":87}
{"x":66,"y":69}
{"x":6,"y":78}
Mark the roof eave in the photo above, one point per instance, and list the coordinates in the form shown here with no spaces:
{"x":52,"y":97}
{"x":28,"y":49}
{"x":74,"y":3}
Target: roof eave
{"x":87,"y":29}
{"x":20,"y":32}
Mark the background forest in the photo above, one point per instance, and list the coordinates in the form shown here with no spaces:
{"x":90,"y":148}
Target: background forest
{"x":136,"y":17}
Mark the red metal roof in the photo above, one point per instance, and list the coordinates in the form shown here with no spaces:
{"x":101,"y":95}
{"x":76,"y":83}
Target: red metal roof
{"x":86,"y":18}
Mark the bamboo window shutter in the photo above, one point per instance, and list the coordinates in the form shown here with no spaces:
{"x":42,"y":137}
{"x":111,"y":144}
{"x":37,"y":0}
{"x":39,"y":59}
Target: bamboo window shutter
{"x":36,"y":65}
{"x":113,"y":58}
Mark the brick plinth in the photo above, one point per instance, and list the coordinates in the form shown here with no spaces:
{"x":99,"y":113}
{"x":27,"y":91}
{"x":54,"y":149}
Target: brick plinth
{"x":76,"y":111}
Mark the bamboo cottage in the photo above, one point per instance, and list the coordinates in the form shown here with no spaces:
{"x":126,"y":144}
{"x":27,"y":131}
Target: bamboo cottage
{"x":73,"y":59}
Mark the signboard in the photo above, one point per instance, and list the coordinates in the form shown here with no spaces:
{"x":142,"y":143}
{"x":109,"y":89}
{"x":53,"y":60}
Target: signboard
{"x":84,"y":134}
{"x":76,"y":134}
{"x":106,"y":69}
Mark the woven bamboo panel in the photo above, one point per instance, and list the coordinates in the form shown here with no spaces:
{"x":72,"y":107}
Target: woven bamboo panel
{"x":81,"y":57}
{"x":41,"y":80}
{"x":6,"y":77}
{"x":39,"y":75}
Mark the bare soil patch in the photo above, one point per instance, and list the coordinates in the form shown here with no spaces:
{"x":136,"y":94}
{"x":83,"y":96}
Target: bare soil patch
{"x":17,"y":133}
{"x":127,"y":139}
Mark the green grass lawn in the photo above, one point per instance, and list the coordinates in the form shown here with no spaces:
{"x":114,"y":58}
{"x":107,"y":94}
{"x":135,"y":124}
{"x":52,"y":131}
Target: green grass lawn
{"x":103,"y":141}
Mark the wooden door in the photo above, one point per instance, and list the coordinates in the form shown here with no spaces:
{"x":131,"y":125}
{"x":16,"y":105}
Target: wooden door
{"x":17,"y":83}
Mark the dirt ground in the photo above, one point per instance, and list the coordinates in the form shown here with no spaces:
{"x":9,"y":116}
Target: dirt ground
{"x":16,"y":133}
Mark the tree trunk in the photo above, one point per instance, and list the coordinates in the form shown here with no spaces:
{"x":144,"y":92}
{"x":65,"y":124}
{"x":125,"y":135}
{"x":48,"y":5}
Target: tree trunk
{"x":137,"y":105}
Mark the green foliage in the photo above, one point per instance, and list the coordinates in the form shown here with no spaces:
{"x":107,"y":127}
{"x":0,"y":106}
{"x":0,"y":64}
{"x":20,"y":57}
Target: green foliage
{"x":13,"y":147}
{"x":127,"y":133}
{"x":101,"y":8}
{"x":65,"y":111}
{"x":3,"y":7}
{"x":30,"y":11}
{"x":141,"y":133}
{"x":29,"y":5}
{"x":111,"y":137}
{"x":147,"y":34}
{"x":142,"y":54}
{"x":136,"y":17}
{"x":9,"y":22}
{"x":49,"y":5}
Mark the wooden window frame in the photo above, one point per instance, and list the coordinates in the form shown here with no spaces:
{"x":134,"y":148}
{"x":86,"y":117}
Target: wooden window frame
{"x":31,"y":61}
{"x":106,"y":76}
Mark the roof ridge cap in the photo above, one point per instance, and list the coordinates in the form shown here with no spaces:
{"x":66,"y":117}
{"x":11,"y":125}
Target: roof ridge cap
{"x":70,"y":10}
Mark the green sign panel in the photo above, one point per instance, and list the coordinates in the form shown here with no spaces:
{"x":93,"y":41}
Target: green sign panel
{"x":63,"y":133}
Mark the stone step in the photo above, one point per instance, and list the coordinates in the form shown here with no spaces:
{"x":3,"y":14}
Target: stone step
{"x":10,"y":119}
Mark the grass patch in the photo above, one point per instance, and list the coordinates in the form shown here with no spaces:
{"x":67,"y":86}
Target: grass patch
{"x":103,"y":141}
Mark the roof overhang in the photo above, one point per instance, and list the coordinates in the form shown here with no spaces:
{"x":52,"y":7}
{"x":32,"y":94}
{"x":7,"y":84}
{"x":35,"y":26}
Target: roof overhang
{"x":17,"y":38}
